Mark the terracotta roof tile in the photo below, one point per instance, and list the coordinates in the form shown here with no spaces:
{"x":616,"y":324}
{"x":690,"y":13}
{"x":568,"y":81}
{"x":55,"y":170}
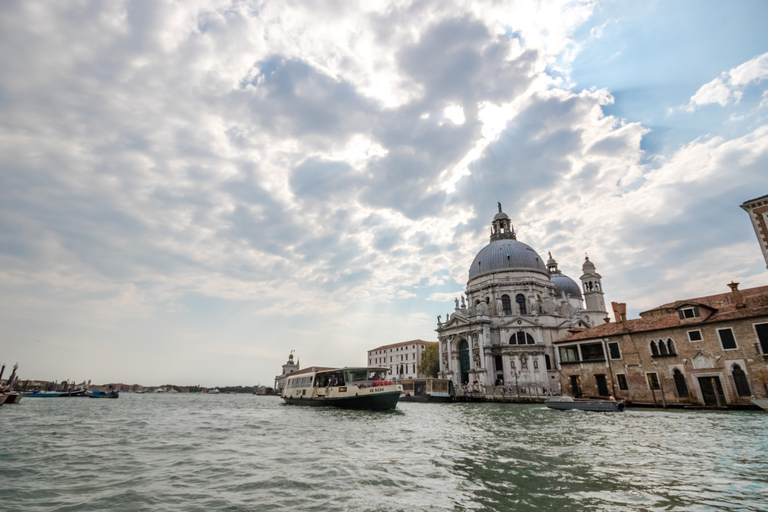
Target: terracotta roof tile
{"x":756,"y":300}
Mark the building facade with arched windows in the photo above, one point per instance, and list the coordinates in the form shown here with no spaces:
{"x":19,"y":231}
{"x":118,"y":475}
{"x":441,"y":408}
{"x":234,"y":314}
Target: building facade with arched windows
{"x":516,"y":304}
{"x":710,"y":351}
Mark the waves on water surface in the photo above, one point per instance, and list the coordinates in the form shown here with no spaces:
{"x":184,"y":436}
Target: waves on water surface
{"x":252,"y":453}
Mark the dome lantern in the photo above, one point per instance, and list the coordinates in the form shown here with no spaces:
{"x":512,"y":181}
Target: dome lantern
{"x":501,"y":227}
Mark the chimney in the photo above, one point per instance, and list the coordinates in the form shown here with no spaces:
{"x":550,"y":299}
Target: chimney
{"x":738,"y":298}
{"x":620,"y":313}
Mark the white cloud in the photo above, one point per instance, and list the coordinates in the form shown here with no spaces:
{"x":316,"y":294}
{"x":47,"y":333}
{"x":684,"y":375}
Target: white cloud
{"x":729,"y":87}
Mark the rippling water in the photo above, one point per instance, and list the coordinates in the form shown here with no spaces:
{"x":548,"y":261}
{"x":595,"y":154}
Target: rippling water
{"x":242,"y":452}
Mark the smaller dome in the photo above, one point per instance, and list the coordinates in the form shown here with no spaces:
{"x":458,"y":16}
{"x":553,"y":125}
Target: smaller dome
{"x":501,"y":215}
{"x":563,"y":283}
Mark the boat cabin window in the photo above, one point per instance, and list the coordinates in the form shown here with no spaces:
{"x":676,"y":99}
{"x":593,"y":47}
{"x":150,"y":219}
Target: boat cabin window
{"x":377,"y":375}
{"x":356,"y":375}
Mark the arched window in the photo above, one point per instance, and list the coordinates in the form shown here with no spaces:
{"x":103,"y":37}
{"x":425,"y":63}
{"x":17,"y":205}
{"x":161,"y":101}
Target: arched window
{"x":506,"y":305}
{"x":520,"y":299}
{"x":740,"y":379}
{"x":662,"y":348}
{"x":521,"y":338}
{"x":671,"y":346}
{"x":654,"y":350}
{"x":547,"y":361}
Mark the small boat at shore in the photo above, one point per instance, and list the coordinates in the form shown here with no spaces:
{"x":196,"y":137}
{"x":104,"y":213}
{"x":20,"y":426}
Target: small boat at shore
{"x":584,"y":404}
{"x":346,"y":388}
{"x":36,"y":393}
{"x":426,"y":390}
{"x":761,"y":402}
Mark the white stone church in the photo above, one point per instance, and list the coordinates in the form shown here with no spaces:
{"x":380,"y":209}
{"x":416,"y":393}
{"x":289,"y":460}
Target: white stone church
{"x":514,"y":308}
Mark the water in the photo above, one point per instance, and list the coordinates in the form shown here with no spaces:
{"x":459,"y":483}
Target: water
{"x":242,"y":452}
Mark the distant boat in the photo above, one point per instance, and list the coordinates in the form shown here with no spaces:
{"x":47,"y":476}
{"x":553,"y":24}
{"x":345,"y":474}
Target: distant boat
{"x":42,"y":394}
{"x":72,"y":392}
{"x":347,"y":388}
{"x":54,"y":394}
{"x":213,"y":391}
{"x":113,"y":393}
{"x":584,"y":404}
{"x":761,"y":402}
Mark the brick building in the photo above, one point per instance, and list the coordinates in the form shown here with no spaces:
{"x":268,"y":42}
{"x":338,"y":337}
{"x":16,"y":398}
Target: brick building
{"x":709,"y":351}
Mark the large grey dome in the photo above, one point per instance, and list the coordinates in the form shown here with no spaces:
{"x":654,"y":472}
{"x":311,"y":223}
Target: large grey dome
{"x":563,"y":283}
{"x":504,"y":255}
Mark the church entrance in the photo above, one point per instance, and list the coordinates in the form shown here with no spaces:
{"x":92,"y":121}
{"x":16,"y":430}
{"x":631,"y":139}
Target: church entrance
{"x":464,"y":361}
{"x":712,"y":391}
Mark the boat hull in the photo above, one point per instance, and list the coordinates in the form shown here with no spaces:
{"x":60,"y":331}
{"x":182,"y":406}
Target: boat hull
{"x":426,"y":399}
{"x":374,"y":402}
{"x":3,"y":398}
{"x":761,"y":402}
{"x":13,"y":398}
{"x":587,"y":405}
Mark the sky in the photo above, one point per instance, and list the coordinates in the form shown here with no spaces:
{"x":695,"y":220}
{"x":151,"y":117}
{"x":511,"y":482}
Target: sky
{"x":191,"y":190}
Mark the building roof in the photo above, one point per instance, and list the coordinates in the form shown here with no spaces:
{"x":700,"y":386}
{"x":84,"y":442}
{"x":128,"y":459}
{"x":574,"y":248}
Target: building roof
{"x":402,"y":344}
{"x":746,"y":203}
{"x":309,"y":370}
{"x":666,"y":316}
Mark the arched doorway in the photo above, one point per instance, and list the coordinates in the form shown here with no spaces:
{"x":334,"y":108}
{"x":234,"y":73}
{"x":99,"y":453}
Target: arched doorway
{"x":680,"y":385}
{"x":740,"y":379}
{"x":464,"y":361}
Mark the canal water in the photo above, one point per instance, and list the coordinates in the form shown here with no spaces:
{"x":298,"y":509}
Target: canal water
{"x":243,"y":452}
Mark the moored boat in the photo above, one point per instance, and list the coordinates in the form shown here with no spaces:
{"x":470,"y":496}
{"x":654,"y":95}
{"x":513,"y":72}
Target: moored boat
{"x":13,"y":398}
{"x":347,"y":388}
{"x":426,"y":390}
{"x":585,"y":404}
{"x":761,"y":402}
{"x":3,"y":398}
{"x":36,"y":393}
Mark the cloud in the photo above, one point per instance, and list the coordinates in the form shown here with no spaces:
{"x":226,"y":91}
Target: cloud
{"x":730,"y":86}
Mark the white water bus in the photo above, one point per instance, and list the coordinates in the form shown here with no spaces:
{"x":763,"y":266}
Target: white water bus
{"x":348,"y":388}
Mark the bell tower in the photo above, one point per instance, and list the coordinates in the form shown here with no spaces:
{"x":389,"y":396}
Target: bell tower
{"x":593,"y":293}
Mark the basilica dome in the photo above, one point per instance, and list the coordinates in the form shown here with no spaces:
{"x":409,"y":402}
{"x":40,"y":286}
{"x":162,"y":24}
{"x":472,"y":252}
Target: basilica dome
{"x":506,"y":254}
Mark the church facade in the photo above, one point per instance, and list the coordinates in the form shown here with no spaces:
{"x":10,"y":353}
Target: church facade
{"x":516,"y":305}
